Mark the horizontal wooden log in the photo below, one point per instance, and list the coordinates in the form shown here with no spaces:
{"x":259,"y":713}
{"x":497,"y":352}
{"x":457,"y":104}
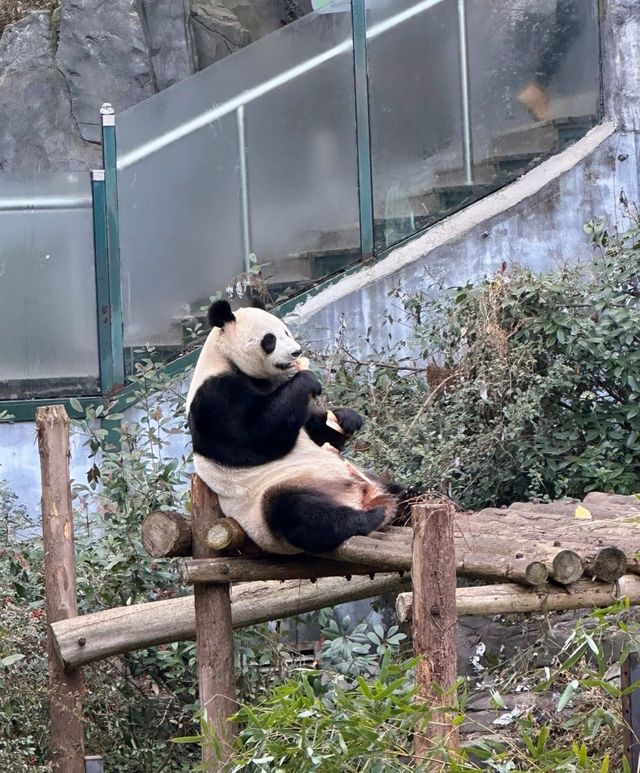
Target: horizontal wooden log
{"x":387,"y":555}
{"x":100,"y":635}
{"x":609,"y":565}
{"x":483,"y":547}
{"x":364,"y":550}
{"x":225,"y":534}
{"x":601,"y":506}
{"x":521,"y":571}
{"x":166,"y":533}
{"x":509,"y":598}
{"x":226,"y":570}
{"x":566,"y":567}
{"x":552,"y":527}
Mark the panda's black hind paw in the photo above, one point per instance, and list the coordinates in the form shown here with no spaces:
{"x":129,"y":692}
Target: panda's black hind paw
{"x":376,"y":518}
{"x":349,"y":420}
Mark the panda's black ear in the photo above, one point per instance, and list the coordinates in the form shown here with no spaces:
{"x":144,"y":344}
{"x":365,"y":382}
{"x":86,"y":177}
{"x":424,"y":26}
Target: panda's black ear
{"x":220,"y":313}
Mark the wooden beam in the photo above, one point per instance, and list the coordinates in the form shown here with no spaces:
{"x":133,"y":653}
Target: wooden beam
{"x":166,"y":533}
{"x":214,"y":635}
{"x":483,"y":547}
{"x":609,"y":565}
{"x":435,"y":625}
{"x":218,"y":570}
{"x":225,"y":534}
{"x":566,"y":567}
{"x":506,"y":598}
{"x":520,"y":570}
{"x":629,"y":675}
{"x":100,"y":635}
{"x":66,"y":738}
{"x":395,"y":553}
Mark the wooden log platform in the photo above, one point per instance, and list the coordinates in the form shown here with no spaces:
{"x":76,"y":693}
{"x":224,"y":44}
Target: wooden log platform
{"x":527,"y":544}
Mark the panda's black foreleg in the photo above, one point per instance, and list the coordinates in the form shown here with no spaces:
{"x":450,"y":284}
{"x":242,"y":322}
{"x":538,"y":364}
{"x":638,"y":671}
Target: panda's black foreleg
{"x":286,"y":408}
{"x":313,"y":522}
{"x":349,"y":420}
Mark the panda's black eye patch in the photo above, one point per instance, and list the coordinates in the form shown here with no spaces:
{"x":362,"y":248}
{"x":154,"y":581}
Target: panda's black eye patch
{"x":268,"y":343}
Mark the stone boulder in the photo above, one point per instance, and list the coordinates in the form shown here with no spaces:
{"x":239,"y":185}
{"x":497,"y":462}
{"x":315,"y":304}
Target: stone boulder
{"x":103,"y":54}
{"x":260,"y":17}
{"x":37,"y":130}
{"x":171,"y":48}
{"x":216,"y":32}
{"x":221,"y":27}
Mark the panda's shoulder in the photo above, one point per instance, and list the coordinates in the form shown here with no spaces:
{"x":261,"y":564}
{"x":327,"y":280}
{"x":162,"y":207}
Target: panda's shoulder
{"x":221,"y":384}
{"x":224,"y":390}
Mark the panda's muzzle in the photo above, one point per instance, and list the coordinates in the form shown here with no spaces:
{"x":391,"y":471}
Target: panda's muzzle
{"x":288,"y":365}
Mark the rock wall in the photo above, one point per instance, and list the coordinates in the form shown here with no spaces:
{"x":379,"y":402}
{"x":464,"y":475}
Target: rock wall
{"x":57,"y":69}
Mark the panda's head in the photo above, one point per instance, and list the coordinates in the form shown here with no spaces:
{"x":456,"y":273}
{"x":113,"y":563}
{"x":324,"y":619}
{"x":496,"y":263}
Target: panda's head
{"x":256,"y":342}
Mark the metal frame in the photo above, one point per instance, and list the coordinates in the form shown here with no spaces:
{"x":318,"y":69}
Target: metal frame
{"x":245,"y":212}
{"x":106,"y":245}
{"x":465,"y":99}
{"x":103,"y":301}
{"x":109,"y":159}
{"x":363,"y":131}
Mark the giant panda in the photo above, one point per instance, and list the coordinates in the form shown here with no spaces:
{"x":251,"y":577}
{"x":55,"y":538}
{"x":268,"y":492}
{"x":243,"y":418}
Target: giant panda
{"x":266,"y":450}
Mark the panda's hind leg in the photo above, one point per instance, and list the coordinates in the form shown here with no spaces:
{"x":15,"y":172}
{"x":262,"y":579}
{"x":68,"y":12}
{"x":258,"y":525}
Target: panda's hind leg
{"x":315,"y":523}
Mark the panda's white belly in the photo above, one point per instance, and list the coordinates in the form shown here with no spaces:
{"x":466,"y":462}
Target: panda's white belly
{"x":241,"y":490}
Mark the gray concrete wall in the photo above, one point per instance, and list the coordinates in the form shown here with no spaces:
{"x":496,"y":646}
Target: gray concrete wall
{"x":537,"y":222}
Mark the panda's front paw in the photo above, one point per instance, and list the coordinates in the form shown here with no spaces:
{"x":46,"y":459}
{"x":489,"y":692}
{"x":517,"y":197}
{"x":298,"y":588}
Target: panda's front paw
{"x":306,"y":381}
{"x":349,"y":420}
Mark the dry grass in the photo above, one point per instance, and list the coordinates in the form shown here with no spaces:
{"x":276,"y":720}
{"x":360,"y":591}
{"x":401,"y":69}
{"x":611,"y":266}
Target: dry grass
{"x":12,"y":10}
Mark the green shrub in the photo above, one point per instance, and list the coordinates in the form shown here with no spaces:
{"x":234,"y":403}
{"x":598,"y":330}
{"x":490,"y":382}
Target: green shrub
{"x":534,"y":385}
{"x":364,"y":719}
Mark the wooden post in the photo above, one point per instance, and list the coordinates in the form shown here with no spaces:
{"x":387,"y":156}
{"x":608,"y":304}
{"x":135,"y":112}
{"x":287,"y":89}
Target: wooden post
{"x":65,"y":687}
{"x":434,"y":624}
{"x":214,"y":634}
{"x":630,"y":674}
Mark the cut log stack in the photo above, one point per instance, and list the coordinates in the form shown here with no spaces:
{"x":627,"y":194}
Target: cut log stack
{"x":545,"y":560}
{"x":529,"y":545}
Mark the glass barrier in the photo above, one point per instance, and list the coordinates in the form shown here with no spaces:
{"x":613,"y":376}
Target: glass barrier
{"x":414,"y":98}
{"x":467,"y":95}
{"x":47,"y":287}
{"x":256,"y":154}
{"x":534,"y":81}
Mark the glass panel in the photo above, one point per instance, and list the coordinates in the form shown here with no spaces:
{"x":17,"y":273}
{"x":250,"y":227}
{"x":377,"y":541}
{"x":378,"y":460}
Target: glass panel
{"x":180,"y":235}
{"x":534,"y":74}
{"x":532,"y":84}
{"x":414,"y":94}
{"x":183,"y":231}
{"x":301,"y":163}
{"x":47,"y":287}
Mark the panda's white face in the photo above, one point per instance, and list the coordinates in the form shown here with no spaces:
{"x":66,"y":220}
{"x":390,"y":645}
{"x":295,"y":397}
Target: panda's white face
{"x":259,"y":344}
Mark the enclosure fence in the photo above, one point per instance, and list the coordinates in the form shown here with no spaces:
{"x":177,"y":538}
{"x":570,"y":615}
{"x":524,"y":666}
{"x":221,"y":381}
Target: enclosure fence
{"x":320,"y":146}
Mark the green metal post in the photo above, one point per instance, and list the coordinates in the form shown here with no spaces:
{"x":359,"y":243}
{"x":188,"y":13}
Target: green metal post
{"x":113,"y":240}
{"x":363,"y":134}
{"x":103,"y":301}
